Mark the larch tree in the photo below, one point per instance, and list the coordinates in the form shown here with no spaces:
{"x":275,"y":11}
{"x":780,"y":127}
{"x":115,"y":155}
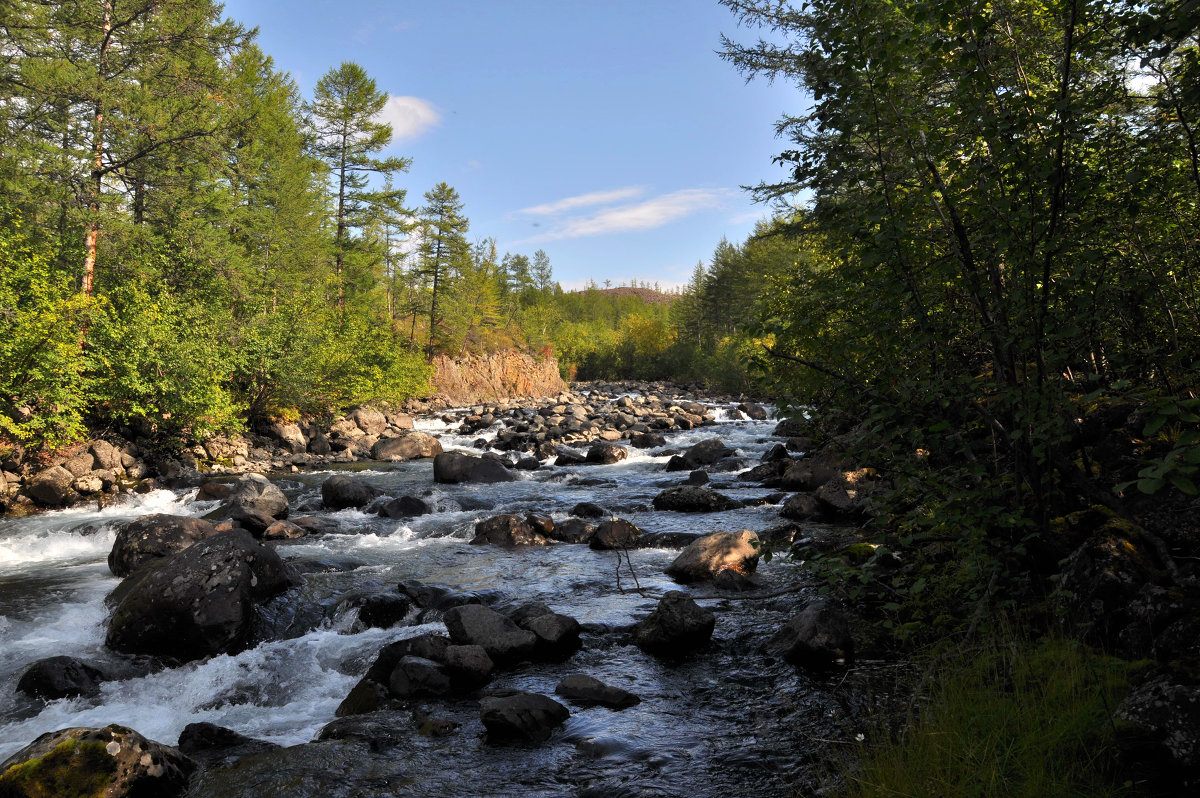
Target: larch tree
{"x":444,"y":247}
{"x":345,"y":110}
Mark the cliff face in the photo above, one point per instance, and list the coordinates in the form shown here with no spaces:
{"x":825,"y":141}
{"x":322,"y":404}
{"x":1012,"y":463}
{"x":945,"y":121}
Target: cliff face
{"x":500,"y":375}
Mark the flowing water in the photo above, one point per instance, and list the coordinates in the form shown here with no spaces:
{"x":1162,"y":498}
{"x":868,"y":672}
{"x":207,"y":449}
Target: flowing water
{"x":730,"y":721}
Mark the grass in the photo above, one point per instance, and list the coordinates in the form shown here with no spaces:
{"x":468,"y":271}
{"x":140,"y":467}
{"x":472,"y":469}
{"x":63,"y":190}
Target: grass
{"x":1011,"y":718}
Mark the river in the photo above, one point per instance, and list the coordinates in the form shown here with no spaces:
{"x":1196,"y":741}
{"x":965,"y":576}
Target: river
{"x":729,"y":721}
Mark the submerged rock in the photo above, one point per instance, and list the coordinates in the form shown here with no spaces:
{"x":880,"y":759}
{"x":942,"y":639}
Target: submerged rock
{"x":585,"y":690}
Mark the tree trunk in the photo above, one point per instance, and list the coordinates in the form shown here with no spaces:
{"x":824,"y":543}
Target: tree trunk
{"x":91,"y":239}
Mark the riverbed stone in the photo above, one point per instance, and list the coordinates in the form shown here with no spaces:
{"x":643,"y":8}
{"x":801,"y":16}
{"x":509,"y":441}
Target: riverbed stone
{"x":513,"y":714}
{"x":209,"y":744}
{"x":198,"y":602}
{"x":416,"y":677}
{"x":409,"y":446}
{"x":676,"y":627}
{"x":405,"y":507}
{"x":51,"y":487}
{"x":503,"y":640}
{"x":256,"y":492}
{"x":704,"y":453}
{"x":53,"y":678}
{"x":694,"y":499}
{"x":342,"y":491}
{"x":712,"y":554}
{"x":616,"y":533}
{"x":588,"y":510}
{"x":606,"y":453}
{"x":582,"y":689}
{"x":153,"y":536}
{"x":573,"y":530}
{"x":457,"y":467}
{"x":469,"y":665}
{"x":508,"y":530}
{"x":368,"y":419}
{"x":115,"y":762}
{"x":817,"y":637}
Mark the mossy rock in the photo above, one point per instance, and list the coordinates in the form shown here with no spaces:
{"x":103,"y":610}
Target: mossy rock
{"x":858,"y":553}
{"x":71,"y":769}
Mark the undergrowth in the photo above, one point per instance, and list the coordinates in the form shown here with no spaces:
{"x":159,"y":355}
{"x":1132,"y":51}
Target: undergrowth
{"x":1008,"y":718}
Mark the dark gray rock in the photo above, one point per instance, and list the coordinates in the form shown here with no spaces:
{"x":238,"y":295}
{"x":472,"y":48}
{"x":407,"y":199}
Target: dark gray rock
{"x":570,"y":457}
{"x":455,"y":467}
{"x":801,"y":507}
{"x":694,"y":499}
{"x":573,"y":530}
{"x":405,"y":507}
{"x":524,"y":716}
{"x":60,"y":677}
{"x":503,"y":640}
{"x":469,"y":665}
{"x":647,"y":440}
{"x":383,"y":610}
{"x":416,"y":677}
{"x":581,"y":689}
{"x":340,"y":492}
{"x":588,"y":510}
{"x":817,"y":637}
{"x":676,"y":627}
{"x":706,"y":452}
{"x":508,"y":530}
{"x":198,"y":602}
{"x":209,"y":744}
{"x":615,"y":534}
{"x":1158,"y":726}
{"x":154,"y":536}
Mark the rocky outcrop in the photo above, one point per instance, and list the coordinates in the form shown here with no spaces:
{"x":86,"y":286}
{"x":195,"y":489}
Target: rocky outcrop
{"x":499,"y":375}
{"x":115,"y":762}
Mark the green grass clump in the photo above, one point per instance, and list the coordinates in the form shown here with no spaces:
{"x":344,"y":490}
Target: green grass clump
{"x":1014,"y":719}
{"x":69,"y":770}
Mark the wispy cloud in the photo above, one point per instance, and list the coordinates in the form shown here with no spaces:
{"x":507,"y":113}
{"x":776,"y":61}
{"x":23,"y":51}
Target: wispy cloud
{"x":647,"y":215}
{"x":409,"y":117}
{"x":584,"y":200}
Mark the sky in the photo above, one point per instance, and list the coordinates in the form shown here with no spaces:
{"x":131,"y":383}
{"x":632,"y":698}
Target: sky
{"x":609,"y":134}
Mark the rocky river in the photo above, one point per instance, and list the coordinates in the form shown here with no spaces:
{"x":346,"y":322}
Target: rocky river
{"x":729,"y":717}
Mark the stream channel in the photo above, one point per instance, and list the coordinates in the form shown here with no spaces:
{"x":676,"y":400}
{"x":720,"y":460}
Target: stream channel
{"x":729,"y":721}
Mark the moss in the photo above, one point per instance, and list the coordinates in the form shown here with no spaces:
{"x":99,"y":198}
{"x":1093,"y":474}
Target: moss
{"x":858,"y":553}
{"x":69,"y":770}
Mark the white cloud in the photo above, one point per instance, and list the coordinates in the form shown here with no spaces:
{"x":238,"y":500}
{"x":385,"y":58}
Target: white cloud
{"x":583,"y":200}
{"x":409,"y":117}
{"x":646,"y":215}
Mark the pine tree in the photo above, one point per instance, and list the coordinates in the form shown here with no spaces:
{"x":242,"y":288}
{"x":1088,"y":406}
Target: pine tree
{"x":444,"y":246}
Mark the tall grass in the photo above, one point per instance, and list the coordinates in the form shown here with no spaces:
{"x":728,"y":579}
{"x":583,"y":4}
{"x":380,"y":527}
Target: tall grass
{"x":1011,"y":718}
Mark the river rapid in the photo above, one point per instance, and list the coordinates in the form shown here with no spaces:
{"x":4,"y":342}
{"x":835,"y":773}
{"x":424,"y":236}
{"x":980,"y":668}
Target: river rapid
{"x":729,"y":721}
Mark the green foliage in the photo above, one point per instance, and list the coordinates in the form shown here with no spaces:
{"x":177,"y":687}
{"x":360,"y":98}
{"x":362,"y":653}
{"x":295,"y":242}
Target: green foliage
{"x":1011,"y":718}
{"x":42,"y":365}
{"x":70,"y":770}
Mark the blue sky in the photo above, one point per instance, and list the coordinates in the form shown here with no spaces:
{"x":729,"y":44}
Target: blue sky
{"x":607,"y":133}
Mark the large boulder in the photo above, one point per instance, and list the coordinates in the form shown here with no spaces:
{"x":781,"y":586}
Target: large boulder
{"x":557,"y":635}
{"x":1102,"y":581}
{"x":508,"y":530}
{"x":676,"y":627}
{"x":153,"y":536}
{"x":582,"y":689}
{"x":416,"y":677}
{"x":51,"y":487}
{"x":289,"y":436}
{"x":499,"y":636}
{"x":341,"y":491}
{"x":616,"y":533}
{"x":409,"y":446}
{"x":60,"y":677}
{"x":712,"y":554}
{"x":199,"y":602}
{"x":256,"y":492}
{"x":704,"y":453}
{"x":369,"y":420}
{"x":455,"y":467}
{"x":108,"y":457}
{"x":816,"y":637}
{"x":405,"y":507}
{"x":513,"y":714}
{"x":113,"y":762}
{"x":694,"y":499}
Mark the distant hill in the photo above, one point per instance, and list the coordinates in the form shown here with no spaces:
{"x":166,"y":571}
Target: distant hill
{"x":648,"y":295}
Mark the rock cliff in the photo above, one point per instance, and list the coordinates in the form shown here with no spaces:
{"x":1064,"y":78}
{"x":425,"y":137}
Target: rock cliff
{"x":500,"y":375}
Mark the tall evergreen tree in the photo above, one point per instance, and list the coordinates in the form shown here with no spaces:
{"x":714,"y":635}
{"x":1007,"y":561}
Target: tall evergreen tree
{"x":346,"y":103}
{"x":444,"y":246}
